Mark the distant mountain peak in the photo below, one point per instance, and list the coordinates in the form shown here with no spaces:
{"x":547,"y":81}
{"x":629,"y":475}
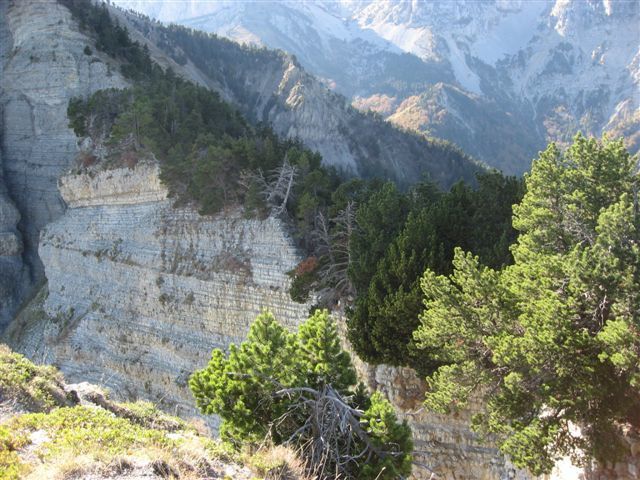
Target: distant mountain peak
{"x":550,"y":66}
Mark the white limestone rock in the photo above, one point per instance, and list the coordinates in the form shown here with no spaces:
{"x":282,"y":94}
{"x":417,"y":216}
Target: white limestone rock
{"x":43,"y":65}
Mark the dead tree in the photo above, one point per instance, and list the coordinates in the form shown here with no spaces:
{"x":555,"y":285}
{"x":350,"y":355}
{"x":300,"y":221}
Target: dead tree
{"x":334,"y":247}
{"x":331,"y":440}
{"x":276,"y":187}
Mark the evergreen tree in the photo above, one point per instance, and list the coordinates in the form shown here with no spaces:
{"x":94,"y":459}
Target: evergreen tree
{"x":385,"y":315}
{"x":322,"y":356}
{"x":379,"y":220}
{"x":296,"y":389}
{"x":239,"y":386}
{"x":552,"y":341}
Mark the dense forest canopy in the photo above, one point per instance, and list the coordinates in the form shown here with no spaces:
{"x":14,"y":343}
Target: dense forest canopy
{"x":400,"y":236}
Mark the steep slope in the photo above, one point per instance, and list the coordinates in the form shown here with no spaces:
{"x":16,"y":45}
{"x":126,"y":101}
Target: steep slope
{"x":53,"y":429}
{"x":179,"y":285}
{"x":319,"y":34}
{"x":478,"y":124}
{"x":272,"y":87}
{"x":541,"y":70}
{"x":43,"y":65}
{"x":139,"y":292}
{"x":47,"y":60}
{"x":14,"y":273}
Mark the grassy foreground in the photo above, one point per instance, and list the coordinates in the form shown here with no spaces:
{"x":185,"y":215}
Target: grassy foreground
{"x":50,"y":430}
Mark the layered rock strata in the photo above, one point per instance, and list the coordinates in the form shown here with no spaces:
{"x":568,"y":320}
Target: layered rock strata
{"x":43,"y":64}
{"x":140,"y":292}
{"x":446,"y":444}
{"x":445,"y":447}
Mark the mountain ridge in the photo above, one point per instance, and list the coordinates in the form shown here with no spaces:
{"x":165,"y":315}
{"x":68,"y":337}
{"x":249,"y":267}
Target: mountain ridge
{"x":273,"y":88}
{"x":553,"y":67}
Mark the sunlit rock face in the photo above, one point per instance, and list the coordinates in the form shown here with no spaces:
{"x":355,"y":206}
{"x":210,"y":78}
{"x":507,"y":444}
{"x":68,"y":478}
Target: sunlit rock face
{"x":139,"y":292}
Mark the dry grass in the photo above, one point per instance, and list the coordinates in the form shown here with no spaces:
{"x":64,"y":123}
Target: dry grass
{"x":277,"y":463}
{"x":106,"y":439}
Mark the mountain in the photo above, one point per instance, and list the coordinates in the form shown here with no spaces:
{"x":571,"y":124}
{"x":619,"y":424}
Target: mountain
{"x":522,"y":72}
{"x":107,"y":277}
{"x":43,"y":67}
{"x":128,"y":290}
{"x":272,"y":87}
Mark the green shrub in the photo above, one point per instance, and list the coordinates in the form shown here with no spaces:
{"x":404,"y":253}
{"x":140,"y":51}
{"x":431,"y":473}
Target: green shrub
{"x":272,"y":384}
{"x":34,"y":387}
{"x":86,"y":430}
{"x":11,"y":468}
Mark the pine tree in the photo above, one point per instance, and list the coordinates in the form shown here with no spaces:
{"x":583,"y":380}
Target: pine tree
{"x":296,"y":389}
{"x":322,"y":357}
{"x":553,"y":341}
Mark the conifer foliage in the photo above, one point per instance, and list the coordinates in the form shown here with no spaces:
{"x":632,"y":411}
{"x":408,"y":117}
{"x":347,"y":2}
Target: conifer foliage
{"x":553,"y":341}
{"x":295,"y":388}
{"x":399,"y":236}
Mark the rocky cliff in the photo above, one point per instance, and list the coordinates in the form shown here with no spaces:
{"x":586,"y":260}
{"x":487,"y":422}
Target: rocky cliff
{"x":454,"y":452}
{"x":46,"y":60}
{"x":444,"y":443}
{"x":43,"y":64}
{"x":139,"y":292}
{"x":14,"y":274}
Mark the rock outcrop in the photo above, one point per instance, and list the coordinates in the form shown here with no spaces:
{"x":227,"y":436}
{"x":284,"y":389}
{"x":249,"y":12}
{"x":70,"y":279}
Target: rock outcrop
{"x":443,"y":443}
{"x":453,"y":451}
{"x":46,"y":60}
{"x":14,"y":273}
{"x":43,"y":64}
{"x":140,"y":292}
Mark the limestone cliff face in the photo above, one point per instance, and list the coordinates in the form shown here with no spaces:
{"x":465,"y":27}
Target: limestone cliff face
{"x":140,"y":292}
{"x":445,"y":443}
{"x":43,"y":65}
{"x":45,"y":60}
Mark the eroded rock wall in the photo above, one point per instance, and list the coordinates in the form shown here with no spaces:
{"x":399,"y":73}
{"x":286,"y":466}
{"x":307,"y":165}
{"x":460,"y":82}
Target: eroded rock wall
{"x":140,"y":292}
{"x":452,"y":451}
{"x":43,"y":65}
{"x":14,"y":273}
{"x":444,"y":445}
